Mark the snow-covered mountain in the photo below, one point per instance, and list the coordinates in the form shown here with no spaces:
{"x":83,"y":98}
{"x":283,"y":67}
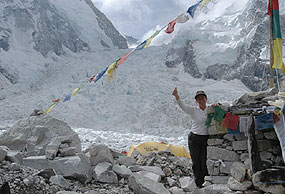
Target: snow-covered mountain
{"x":234,"y":45}
{"x":51,"y":47}
{"x":49,"y":27}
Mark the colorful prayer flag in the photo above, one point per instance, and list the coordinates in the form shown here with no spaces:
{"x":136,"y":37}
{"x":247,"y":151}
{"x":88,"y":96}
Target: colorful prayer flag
{"x":74,"y":92}
{"x":49,"y":109}
{"x":191,"y":10}
{"x":231,"y":121}
{"x":57,"y":100}
{"x":204,"y":3}
{"x":150,"y":39}
{"x":123,"y":58}
{"x":182,"y":18}
{"x":170,"y":27}
{"x":100,"y":75}
{"x":111,"y":71}
{"x":67,"y":97}
{"x":277,"y":37}
{"x":92,"y":78}
{"x":141,"y":45}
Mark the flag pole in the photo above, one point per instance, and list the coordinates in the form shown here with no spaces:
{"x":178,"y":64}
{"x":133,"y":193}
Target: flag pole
{"x":271,"y":47}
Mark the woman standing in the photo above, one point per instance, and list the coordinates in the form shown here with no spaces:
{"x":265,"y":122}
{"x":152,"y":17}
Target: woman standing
{"x":198,"y":137}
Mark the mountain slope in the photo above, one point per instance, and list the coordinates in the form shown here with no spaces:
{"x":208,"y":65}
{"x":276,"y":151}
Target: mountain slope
{"x":232,"y":46}
{"x":31,"y":31}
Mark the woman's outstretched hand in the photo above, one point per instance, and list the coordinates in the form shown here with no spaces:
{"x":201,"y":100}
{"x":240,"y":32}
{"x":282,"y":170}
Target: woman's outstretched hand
{"x":175,"y":93}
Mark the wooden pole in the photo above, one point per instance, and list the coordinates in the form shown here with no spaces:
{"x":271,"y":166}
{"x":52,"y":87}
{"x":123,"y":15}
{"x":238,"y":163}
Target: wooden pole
{"x":271,"y":47}
{"x":253,"y":151}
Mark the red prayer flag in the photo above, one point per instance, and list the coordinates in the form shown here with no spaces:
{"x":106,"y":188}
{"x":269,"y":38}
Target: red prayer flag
{"x":92,"y":78}
{"x":275,"y":5}
{"x":231,"y":121}
{"x":56,"y":100}
{"x":123,"y":59}
{"x":170,"y":27}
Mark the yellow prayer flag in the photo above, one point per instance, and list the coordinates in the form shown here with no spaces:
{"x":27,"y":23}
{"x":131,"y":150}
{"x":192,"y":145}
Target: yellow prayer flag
{"x":277,"y":45}
{"x":148,"y":42}
{"x":204,"y":3}
{"x":49,"y":109}
{"x":111,"y":71}
{"x":74,"y":92}
{"x":150,"y":39}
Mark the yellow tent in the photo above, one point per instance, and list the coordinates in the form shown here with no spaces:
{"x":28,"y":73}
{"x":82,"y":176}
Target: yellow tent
{"x":146,"y":147}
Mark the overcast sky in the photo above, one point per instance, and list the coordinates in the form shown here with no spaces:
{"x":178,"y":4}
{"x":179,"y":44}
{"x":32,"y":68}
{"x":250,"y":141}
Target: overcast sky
{"x":137,"y":17}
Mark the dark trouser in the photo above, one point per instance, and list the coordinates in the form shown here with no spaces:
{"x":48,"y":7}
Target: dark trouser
{"x":198,"y":151}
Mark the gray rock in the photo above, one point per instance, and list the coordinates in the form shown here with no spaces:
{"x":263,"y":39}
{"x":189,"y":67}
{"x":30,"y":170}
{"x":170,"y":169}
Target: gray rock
{"x":215,"y":142}
{"x":265,"y":155}
{"x":69,"y":151}
{"x":217,"y":179}
{"x":226,"y":168}
{"x":170,"y":181}
{"x":239,"y":186}
{"x":46,"y":173}
{"x":271,"y":135}
{"x":59,"y":180}
{"x":100,"y":153}
{"x":33,"y":134}
{"x":213,"y":167}
{"x":37,"y":162}
{"x":3,"y":152}
{"x":14,"y":156}
{"x":143,"y":185}
{"x":104,"y":174}
{"x":187,"y":184}
{"x":240,"y":145}
{"x":127,"y":161}
{"x":122,"y":171}
{"x":176,"y":190}
{"x":229,"y":137}
{"x":244,"y":156}
{"x":14,"y":166}
{"x":238,"y":171}
{"x":150,"y":175}
{"x":264,"y":180}
{"x":153,"y":169}
{"x":221,"y":154}
{"x":217,"y":189}
{"x":76,"y":167}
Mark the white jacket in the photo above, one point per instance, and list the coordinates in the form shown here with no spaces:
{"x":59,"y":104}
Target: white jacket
{"x":198,"y":117}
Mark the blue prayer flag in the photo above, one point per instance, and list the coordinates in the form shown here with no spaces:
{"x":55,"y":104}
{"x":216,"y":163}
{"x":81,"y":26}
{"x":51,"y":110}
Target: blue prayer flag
{"x":264,"y":121}
{"x":67,"y":97}
{"x":191,"y":10}
{"x":141,"y":45}
{"x":100,"y":75}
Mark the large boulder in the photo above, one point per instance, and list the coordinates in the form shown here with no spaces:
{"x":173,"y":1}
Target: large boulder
{"x":100,"y":153}
{"x":33,"y":134}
